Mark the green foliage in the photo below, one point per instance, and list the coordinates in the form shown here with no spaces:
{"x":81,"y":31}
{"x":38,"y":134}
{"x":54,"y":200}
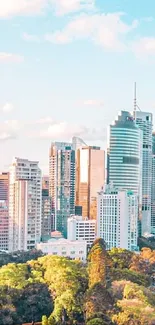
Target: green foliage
{"x":129,"y":275}
{"x":121,"y":258}
{"x":96,"y":321}
{"x":19,"y":256}
{"x":113,"y":288}
{"x":44,"y":320}
{"x":14,"y":275}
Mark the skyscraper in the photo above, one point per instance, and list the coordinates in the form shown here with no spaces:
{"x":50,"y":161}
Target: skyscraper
{"x":62,"y":183}
{"x":24,"y":204}
{"x":144,"y":121}
{"x":46,"y":215}
{"x":117,"y":218}
{"x":4,"y":211}
{"x":125,"y":154}
{"x":153,"y":186}
{"x":90,"y":177}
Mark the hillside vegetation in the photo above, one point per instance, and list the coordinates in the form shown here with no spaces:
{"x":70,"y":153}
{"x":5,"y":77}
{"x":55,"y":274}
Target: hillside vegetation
{"x":114,"y":287}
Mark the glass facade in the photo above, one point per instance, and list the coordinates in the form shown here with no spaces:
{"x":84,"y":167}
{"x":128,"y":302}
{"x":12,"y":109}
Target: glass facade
{"x":125,"y":154}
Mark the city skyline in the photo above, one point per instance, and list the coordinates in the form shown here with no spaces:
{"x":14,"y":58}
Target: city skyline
{"x":61,"y":79}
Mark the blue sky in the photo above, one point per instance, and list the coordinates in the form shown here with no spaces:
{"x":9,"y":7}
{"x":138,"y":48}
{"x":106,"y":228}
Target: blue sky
{"x":67,"y":67}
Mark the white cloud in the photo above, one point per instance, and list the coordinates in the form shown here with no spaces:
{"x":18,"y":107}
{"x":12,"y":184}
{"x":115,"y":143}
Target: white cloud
{"x":44,"y":120}
{"x":108,"y":30}
{"x":144,"y":46}
{"x":10,"y":8}
{"x":7,"y":107}
{"x":93,"y":102}
{"x":67,"y":6}
{"x":58,"y":131}
{"x":6,"y":136}
{"x":10,"y":57}
{"x":9,"y":129}
{"x":30,"y":38}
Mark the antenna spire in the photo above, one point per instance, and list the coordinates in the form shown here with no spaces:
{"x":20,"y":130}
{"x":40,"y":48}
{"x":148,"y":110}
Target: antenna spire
{"x":135,"y":99}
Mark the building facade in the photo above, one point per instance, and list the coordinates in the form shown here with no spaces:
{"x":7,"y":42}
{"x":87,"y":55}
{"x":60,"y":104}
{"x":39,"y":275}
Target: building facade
{"x":125,"y":154}
{"x":62,"y":184}
{"x":117,"y":220}
{"x":144,"y":122}
{"x":90,"y":176}
{"x":46,"y":215}
{"x":82,"y":229}
{"x":24,"y":204}
{"x":66,"y":248}
{"x":4,"y":211}
{"x":153,"y":186}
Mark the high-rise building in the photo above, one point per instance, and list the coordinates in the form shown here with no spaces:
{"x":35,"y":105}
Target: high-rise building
{"x":24,"y":204}
{"x":144,"y":121}
{"x":4,"y":211}
{"x":90,"y":177}
{"x":117,"y":219}
{"x":78,"y":143}
{"x":45,"y":183}
{"x":125,"y":154}
{"x":62,"y":183}
{"x":153,"y":186}
{"x":81,"y":229}
{"x":46,"y":215}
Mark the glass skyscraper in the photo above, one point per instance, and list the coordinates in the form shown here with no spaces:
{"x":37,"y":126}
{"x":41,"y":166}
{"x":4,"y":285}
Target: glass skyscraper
{"x":144,"y":122}
{"x":125,"y":154}
{"x":62,"y":184}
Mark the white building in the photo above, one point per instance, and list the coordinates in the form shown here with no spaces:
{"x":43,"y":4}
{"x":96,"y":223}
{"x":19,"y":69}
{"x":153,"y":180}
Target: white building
{"x":24,"y":204}
{"x":79,"y":229}
{"x":117,"y":219}
{"x":64,"y":247}
{"x":153,"y":186}
{"x":144,"y":121}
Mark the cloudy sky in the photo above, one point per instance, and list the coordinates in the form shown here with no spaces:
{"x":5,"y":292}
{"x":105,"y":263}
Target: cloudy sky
{"x":67,"y":67}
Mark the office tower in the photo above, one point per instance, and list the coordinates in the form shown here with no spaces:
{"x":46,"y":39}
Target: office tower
{"x":117,"y":218}
{"x":81,"y":229}
{"x":90,"y":176}
{"x":78,"y":210}
{"x":153,"y":186}
{"x":46,"y":215}
{"x":78,"y":143}
{"x":45,"y":183}
{"x":125,"y":153}
{"x":24,"y":204}
{"x":62,"y":183}
{"x":4,"y":211}
{"x":144,"y":121}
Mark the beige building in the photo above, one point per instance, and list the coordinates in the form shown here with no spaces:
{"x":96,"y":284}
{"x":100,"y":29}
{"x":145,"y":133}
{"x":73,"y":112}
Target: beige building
{"x":90,"y":176}
{"x":24,"y":204}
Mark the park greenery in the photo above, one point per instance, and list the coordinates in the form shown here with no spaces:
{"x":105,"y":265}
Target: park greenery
{"x":114,"y":287}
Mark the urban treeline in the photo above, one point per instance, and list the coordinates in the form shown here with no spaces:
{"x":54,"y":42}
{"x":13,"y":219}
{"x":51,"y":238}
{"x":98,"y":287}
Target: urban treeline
{"x":113,"y":287}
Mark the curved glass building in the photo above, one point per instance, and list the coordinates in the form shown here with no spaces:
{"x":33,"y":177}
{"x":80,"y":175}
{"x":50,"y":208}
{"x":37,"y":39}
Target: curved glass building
{"x":125,"y":154}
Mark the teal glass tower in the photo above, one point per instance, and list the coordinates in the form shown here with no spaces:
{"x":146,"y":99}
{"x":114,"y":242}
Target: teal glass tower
{"x":125,"y":154}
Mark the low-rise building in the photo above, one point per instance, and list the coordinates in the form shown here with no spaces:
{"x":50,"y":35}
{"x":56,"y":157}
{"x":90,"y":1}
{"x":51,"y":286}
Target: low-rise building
{"x":81,"y":229}
{"x":64,"y":247}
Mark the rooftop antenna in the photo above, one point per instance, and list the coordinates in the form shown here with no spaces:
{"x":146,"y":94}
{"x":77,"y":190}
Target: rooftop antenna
{"x":135,"y":100}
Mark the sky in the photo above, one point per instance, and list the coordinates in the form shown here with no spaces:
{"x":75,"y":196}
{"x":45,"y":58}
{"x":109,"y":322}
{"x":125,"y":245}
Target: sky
{"x":68,"y":67}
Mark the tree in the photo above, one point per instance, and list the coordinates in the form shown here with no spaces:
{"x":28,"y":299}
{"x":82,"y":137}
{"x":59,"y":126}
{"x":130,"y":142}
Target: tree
{"x":44,"y":320}
{"x":121,"y":258}
{"x":97,"y":321}
{"x":14,"y":275}
{"x":97,"y":263}
{"x":35,"y":301}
